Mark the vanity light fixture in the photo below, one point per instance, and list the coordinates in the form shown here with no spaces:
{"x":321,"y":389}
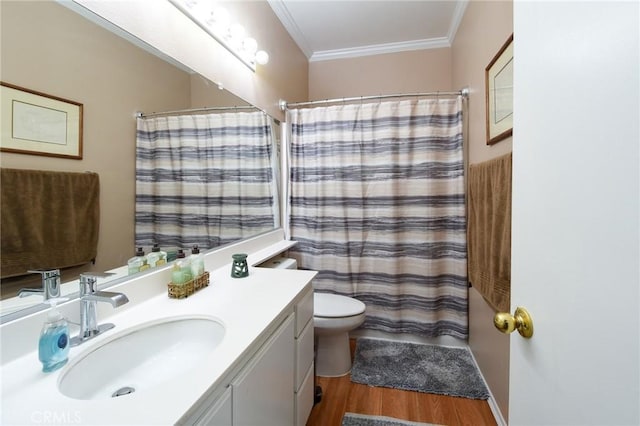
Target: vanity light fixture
{"x":217,"y":22}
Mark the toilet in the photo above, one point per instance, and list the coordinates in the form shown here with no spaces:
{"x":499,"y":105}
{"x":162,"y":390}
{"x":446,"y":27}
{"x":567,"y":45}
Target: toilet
{"x":334,"y":316}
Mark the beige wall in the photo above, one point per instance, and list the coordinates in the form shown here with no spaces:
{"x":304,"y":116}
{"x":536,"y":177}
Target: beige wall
{"x":205,"y":94}
{"x":287,"y":73}
{"x":485,"y":27}
{"x":403,"y":72}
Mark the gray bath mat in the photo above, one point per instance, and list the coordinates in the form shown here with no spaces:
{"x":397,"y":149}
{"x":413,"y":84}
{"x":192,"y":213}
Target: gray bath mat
{"x":423,"y":368}
{"x":353,"y":419}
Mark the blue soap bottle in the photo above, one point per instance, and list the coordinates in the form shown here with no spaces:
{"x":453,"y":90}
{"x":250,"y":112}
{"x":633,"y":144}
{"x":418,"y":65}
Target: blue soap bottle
{"x":53,"y":347}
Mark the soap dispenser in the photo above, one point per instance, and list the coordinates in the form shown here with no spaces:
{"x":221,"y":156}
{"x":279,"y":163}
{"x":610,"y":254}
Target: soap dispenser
{"x":53,"y":347}
{"x":157,"y":257}
{"x":197,"y":262}
{"x":185,"y":265}
{"x":136,"y":263}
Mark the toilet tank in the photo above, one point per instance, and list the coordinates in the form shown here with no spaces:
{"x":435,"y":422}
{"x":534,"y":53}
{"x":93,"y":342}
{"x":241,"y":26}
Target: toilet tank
{"x":280,"y":263}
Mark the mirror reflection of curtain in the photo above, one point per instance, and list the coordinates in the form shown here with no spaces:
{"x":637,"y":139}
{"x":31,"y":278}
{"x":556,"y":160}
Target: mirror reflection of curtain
{"x":204,"y":179}
{"x":377,"y":205}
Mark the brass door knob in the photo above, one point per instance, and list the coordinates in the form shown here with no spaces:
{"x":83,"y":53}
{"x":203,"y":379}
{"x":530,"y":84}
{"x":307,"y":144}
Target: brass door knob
{"x":520,"y":320}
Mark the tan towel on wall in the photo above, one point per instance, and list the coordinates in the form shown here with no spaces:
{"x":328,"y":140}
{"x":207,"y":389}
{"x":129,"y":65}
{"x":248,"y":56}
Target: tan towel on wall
{"x":49,"y":219}
{"x":489,"y":230}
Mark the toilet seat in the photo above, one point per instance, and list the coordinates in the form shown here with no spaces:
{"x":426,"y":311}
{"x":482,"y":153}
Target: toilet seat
{"x":327,"y":305}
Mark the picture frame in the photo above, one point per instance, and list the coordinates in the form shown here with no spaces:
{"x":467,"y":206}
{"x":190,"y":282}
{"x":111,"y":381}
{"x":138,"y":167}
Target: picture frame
{"x":499,"y":94}
{"x":39,"y":124}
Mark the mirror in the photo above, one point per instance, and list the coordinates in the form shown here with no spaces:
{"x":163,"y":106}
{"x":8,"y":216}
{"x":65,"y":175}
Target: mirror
{"x":49,"y":48}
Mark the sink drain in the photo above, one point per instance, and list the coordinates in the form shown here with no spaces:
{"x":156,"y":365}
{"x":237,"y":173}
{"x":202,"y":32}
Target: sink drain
{"x":126,"y":390}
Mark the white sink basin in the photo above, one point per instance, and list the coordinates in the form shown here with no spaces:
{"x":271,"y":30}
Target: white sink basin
{"x":141,"y":357}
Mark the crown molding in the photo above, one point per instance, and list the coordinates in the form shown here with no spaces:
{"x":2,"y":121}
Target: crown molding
{"x":458,"y":14}
{"x":378,"y":49}
{"x":281,"y":11}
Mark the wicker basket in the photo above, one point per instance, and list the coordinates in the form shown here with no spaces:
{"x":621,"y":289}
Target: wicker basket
{"x":180,"y":291}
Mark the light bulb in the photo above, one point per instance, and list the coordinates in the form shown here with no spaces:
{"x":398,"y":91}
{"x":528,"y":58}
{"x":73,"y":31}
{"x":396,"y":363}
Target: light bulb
{"x":262,"y":57}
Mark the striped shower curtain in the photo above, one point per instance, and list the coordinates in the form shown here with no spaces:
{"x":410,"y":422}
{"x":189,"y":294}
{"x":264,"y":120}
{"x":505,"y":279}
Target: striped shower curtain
{"x":377,"y":205}
{"x":204,"y":179}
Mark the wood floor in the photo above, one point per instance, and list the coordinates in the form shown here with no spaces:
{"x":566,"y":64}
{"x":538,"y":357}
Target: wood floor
{"x":340,"y":395}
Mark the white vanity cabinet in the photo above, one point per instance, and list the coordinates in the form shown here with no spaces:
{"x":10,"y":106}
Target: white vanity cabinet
{"x":218,"y":413}
{"x":275,"y":387}
{"x":261,"y":373}
{"x":262,"y":391}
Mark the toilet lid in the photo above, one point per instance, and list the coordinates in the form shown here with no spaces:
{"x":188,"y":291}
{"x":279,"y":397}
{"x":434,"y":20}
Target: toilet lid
{"x":335,"y":306}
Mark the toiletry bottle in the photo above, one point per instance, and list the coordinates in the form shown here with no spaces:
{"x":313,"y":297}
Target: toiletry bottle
{"x":136,"y":262}
{"x":177,"y":276}
{"x":162,"y":260}
{"x":185,"y":265}
{"x":172,"y":255}
{"x":157,"y":257}
{"x":53,"y":347}
{"x":197,"y":262}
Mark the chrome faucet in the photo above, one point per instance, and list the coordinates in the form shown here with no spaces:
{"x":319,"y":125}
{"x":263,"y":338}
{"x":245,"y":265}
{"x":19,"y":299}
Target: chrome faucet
{"x":50,"y":285}
{"x":89,"y":298}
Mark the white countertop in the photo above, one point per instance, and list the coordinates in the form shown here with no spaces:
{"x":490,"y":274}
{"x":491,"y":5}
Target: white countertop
{"x":70,"y":288}
{"x":250,"y":308}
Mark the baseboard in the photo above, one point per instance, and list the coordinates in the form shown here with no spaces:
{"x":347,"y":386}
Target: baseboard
{"x":497,"y":415}
{"x":493,"y":405}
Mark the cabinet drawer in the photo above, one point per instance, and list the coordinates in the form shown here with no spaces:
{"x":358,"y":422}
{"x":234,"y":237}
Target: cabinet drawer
{"x":304,"y":398}
{"x":304,"y":311}
{"x":304,"y":353}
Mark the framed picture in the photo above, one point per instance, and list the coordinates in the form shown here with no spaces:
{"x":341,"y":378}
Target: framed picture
{"x":39,"y":124}
{"x":499,"y":87}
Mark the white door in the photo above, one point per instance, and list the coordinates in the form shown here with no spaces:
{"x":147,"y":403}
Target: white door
{"x":575,"y":247}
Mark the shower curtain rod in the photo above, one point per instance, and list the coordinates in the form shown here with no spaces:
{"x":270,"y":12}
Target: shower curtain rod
{"x":187,"y":111}
{"x":284,"y":105}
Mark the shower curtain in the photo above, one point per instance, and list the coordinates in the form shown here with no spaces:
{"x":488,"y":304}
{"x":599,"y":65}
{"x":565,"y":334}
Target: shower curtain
{"x":204,"y":179}
{"x":377,"y":206}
